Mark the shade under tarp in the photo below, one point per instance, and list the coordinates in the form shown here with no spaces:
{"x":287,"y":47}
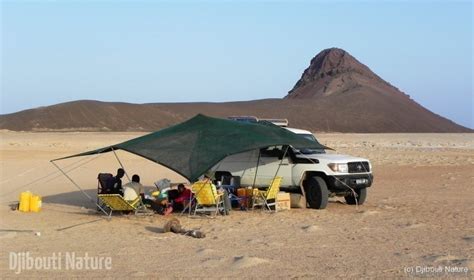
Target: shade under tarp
{"x":191,"y":148}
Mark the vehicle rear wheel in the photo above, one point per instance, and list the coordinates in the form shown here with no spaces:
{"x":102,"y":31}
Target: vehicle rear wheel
{"x":361,"y":196}
{"x":317,"y":193}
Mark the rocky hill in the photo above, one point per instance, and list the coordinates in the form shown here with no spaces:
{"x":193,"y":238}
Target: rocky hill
{"x":336,"y":93}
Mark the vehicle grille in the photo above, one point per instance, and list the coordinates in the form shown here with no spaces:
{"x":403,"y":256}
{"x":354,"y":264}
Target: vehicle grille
{"x":358,"y":167}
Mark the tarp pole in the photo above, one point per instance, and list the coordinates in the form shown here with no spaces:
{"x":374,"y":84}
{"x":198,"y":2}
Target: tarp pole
{"x":77,"y":186}
{"x":126,"y":174}
{"x":276,"y":173}
{"x":256,"y":169}
{"x":281,"y":162}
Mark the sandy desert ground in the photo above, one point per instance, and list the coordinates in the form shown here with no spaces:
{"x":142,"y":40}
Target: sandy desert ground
{"x":418,"y":216}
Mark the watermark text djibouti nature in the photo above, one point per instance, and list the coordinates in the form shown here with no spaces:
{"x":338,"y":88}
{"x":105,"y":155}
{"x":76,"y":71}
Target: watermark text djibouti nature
{"x":21,"y":261}
{"x":436,"y":271}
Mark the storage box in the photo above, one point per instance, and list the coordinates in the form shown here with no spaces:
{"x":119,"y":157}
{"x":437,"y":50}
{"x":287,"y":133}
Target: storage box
{"x":297,"y":201}
{"x":241,"y":192}
{"x":283,"y":201}
{"x":244,"y":198}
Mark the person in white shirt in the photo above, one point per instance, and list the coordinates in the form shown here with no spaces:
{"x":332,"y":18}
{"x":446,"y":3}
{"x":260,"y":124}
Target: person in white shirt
{"x":132,"y":189}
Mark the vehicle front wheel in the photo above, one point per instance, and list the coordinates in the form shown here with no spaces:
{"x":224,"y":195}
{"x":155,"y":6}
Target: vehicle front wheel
{"x":317,"y":193}
{"x":361,"y":196}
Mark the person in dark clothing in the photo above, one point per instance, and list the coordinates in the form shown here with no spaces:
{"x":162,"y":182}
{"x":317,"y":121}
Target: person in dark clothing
{"x":114,"y":184}
{"x":183,"y":198}
{"x":162,"y":207}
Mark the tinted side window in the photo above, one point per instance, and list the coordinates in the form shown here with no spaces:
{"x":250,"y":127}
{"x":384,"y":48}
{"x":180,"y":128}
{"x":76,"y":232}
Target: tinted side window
{"x":274,"y":151}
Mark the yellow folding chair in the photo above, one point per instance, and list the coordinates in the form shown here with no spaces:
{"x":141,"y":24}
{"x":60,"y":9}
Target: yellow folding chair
{"x":115,"y":202}
{"x":207,"y":198}
{"x":262,"y":198}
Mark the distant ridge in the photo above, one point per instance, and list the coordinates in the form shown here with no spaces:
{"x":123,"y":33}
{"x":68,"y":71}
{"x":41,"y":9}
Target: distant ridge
{"x":336,"y":93}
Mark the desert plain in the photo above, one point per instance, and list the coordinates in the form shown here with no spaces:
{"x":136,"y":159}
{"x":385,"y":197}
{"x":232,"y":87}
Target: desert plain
{"x":417,"y":220}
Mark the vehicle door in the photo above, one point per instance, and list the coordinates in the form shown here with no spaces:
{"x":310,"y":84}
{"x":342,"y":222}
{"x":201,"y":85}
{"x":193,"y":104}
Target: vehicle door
{"x":241,"y":164}
{"x":270,"y":159}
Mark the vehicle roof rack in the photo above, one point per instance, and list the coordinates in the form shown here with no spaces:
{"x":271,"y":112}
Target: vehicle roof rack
{"x":279,"y":122}
{"x":253,"y":119}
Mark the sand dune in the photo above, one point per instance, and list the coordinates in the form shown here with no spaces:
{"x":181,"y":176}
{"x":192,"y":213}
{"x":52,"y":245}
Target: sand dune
{"x":418,"y":213}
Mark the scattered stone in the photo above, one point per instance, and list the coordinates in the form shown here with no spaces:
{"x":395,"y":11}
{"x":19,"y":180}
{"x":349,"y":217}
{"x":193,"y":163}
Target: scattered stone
{"x":246,"y":261}
{"x":311,"y":228}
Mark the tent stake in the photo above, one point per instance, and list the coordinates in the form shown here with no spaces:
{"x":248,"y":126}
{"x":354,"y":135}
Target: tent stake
{"x":126,"y":174}
{"x":77,"y":186}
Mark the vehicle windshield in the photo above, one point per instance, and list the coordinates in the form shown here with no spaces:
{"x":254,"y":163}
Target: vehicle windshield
{"x":308,"y":151}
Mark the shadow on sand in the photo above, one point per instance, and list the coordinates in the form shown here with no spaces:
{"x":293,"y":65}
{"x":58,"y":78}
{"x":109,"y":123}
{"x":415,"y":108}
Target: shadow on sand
{"x":155,"y":229}
{"x":76,"y":198}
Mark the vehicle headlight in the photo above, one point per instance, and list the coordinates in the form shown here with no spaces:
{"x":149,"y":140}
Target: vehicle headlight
{"x":339,"y":167}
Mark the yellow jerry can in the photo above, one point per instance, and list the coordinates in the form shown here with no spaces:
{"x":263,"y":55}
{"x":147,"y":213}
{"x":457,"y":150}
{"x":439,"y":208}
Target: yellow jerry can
{"x":35,"y":203}
{"x":25,"y":198}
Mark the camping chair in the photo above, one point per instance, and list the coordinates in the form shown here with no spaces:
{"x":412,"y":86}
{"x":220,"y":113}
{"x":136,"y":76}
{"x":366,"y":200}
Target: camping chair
{"x":115,"y":202}
{"x":230,"y":184}
{"x":102,"y":182}
{"x":262,"y":198}
{"x":102,"y":186}
{"x":207,"y":198}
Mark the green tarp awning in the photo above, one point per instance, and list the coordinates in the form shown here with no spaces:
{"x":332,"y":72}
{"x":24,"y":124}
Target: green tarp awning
{"x":191,"y":148}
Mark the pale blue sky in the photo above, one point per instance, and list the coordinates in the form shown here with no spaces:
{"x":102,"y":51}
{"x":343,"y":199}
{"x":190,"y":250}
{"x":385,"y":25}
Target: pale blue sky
{"x":167,"y":51}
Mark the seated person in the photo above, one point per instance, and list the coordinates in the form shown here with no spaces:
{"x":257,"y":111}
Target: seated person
{"x":225,"y":197}
{"x":207,"y":179}
{"x":114,"y":184}
{"x":133,"y":189}
{"x":161,"y":206}
{"x":184,"y":196}
{"x":159,"y":201}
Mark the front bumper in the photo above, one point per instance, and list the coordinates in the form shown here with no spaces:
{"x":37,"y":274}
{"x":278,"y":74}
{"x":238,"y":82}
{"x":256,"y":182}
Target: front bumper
{"x":359,"y":181}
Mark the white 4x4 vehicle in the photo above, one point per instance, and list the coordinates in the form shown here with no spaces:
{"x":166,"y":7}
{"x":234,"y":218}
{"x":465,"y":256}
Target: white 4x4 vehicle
{"x":317,"y":173}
